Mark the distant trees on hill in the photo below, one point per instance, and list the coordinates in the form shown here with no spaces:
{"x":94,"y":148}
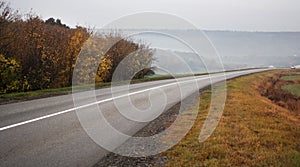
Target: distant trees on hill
{"x":37,"y":54}
{"x":52,"y":21}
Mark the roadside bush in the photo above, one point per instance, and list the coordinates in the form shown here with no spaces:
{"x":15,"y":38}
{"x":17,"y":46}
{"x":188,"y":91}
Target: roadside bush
{"x":10,"y":75}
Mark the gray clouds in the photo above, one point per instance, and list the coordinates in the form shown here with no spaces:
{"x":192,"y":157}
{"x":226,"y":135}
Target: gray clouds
{"x":246,"y":15}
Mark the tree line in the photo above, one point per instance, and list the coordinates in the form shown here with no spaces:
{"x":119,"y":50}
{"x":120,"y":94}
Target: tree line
{"x":37,"y":54}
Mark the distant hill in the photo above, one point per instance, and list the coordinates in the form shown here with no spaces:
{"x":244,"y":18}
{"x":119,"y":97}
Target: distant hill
{"x":281,"y":49}
{"x":236,"y":49}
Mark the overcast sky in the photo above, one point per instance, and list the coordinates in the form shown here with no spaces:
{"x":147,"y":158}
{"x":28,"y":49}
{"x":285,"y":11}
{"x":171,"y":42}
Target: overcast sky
{"x":245,"y":15}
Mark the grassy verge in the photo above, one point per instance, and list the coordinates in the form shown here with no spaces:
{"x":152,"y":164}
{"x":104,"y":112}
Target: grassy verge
{"x":56,"y":91}
{"x":22,"y":96}
{"x":253,"y":131}
{"x":292,"y":88}
{"x":4,"y":98}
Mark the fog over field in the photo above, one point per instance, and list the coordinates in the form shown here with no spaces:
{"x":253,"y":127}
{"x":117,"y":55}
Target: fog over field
{"x":236,"y":49}
{"x":281,"y":49}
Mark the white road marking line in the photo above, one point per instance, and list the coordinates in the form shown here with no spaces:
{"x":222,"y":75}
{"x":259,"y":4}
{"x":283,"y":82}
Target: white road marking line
{"x":101,"y":101}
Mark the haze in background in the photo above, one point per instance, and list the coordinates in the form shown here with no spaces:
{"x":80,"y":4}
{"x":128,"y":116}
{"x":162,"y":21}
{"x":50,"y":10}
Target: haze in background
{"x":237,"y":50}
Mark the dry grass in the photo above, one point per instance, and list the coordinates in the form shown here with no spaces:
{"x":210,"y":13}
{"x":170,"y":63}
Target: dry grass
{"x":253,"y":131}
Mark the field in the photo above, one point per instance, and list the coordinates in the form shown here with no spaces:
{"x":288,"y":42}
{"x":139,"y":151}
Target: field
{"x":291,"y":78}
{"x":253,"y":131}
{"x":293,"y":88}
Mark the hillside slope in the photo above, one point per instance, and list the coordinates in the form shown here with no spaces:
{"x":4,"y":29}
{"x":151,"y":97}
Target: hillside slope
{"x":253,"y":131}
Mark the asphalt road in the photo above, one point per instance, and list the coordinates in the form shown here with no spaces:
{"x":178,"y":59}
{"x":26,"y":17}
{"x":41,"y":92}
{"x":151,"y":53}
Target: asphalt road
{"x":47,"y":132}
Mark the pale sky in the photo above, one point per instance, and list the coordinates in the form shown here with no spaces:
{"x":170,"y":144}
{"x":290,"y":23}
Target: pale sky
{"x":245,"y":15}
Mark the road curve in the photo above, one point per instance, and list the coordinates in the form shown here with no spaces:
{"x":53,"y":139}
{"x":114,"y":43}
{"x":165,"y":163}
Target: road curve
{"x":47,"y":132}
